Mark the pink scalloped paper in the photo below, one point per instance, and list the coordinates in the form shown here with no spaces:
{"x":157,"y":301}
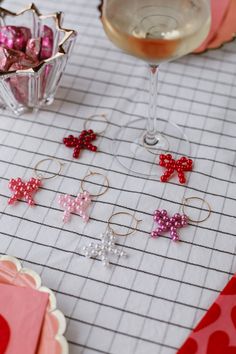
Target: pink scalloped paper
{"x":52,"y":340}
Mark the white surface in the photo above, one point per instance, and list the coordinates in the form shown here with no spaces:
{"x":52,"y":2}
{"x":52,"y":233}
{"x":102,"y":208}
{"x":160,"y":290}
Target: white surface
{"x":149,"y":302}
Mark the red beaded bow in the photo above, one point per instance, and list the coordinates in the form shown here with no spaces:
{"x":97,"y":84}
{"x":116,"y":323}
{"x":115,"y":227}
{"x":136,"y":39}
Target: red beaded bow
{"x":82,"y":142}
{"x":181,"y":165}
{"x":23,"y":190}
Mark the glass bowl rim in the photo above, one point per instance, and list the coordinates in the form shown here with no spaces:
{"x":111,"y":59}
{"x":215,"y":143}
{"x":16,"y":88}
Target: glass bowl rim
{"x":57,"y":17}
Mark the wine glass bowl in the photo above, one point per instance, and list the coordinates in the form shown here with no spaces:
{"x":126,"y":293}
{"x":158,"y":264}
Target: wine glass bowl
{"x":25,"y":89}
{"x":155,"y":31}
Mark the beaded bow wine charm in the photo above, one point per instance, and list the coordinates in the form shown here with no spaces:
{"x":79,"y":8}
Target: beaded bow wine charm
{"x":168,"y":224}
{"x":107,"y":247}
{"x":81,"y":203}
{"x":23,"y":190}
{"x":26,"y":190}
{"x":82,"y":142}
{"x":78,"y":205}
{"x":103,"y":249}
{"x":180,"y":166}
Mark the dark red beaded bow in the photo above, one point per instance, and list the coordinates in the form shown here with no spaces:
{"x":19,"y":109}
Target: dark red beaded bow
{"x":82,"y":142}
{"x":182,"y":165}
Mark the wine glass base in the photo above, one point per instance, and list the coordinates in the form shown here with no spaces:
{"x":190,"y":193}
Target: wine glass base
{"x":137,"y":157}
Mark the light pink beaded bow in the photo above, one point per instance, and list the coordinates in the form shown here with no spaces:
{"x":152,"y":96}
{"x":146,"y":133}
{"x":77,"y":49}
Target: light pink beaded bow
{"x":77,"y":205}
{"x":23,"y":190}
{"x":165,"y":223}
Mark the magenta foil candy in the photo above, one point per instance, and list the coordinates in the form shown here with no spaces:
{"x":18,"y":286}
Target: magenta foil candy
{"x":19,"y":51}
{"x":13,"y":37}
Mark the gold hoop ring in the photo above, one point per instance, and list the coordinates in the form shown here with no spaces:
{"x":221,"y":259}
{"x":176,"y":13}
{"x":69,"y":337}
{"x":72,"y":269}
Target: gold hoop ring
{"x":91,"y":118}
{"x":134,"y":229}
{"x":106,"y":184}
{"x":185,"y":204}
{"x":41,"y":176}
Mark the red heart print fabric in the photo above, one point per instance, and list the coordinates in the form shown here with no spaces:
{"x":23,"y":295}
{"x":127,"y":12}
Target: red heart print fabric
{"x":216,"y":332}
{"x":4,"y":334}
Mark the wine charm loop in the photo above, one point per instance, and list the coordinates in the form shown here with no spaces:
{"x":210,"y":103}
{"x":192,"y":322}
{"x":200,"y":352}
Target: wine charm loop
{"x":91,"y":174}
{"x":133,"y":229}
{"x":55,"y":174}
{"x":91,"y":118}
{"x":185,"y":204}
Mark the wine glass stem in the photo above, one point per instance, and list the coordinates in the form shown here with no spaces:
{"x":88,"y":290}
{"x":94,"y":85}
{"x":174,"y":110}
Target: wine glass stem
{"x":151,"y":136}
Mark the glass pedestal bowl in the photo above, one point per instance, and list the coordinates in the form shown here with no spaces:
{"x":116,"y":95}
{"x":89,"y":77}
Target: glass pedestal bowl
{"x":31,"y":88}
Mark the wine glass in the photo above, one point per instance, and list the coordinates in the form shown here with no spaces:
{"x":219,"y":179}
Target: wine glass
{"x":155,"y":31}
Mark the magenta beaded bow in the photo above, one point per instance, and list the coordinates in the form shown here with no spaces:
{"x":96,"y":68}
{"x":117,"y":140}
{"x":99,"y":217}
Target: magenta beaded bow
{"x":23,"y":190}
{"x":77,"y":205}
{"x":180,"y":166}
{"x":82,"y":142}
{"x":166,"y":223}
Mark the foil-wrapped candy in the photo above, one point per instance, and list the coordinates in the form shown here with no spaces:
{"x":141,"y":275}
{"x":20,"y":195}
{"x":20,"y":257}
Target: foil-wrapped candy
{"x":20,"y":85}
{"x":8,"y":57}
{"x":33,"y":48}
{"x":14,"y":37}
{"x":46,"y":43}
{"x":20,"y":51}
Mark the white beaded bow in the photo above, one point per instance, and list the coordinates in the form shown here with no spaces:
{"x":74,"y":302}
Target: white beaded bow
{"x":104,"y":248}
{"x":77,"y":205}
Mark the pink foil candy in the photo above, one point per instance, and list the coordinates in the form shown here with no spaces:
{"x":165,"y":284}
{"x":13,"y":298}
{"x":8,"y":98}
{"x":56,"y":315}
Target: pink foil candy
{"x":33,"y":48}
{"x":46,"y":43}
{"x":14,"y":37}
{"x":8,"y":57}
{"x":18,"y":51}
{"x":23,"y":62}
{"x":19,"y":85}
{"x":17,"y":47}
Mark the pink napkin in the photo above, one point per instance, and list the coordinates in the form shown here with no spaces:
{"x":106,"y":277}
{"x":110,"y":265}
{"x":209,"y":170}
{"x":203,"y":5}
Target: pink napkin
{"x":215,"y":333}
{"x":22,"y":312}
{"x":218,"y":12}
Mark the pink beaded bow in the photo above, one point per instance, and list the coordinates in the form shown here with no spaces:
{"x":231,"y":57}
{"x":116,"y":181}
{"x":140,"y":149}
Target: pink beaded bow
{"x":23,"y":190}
{"x":77,"y":205}
{"x":165,"y":223}
{"x":181,"y":165}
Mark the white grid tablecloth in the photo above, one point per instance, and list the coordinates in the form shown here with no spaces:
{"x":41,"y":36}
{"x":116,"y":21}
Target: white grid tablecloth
{"x":149,"y":302}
